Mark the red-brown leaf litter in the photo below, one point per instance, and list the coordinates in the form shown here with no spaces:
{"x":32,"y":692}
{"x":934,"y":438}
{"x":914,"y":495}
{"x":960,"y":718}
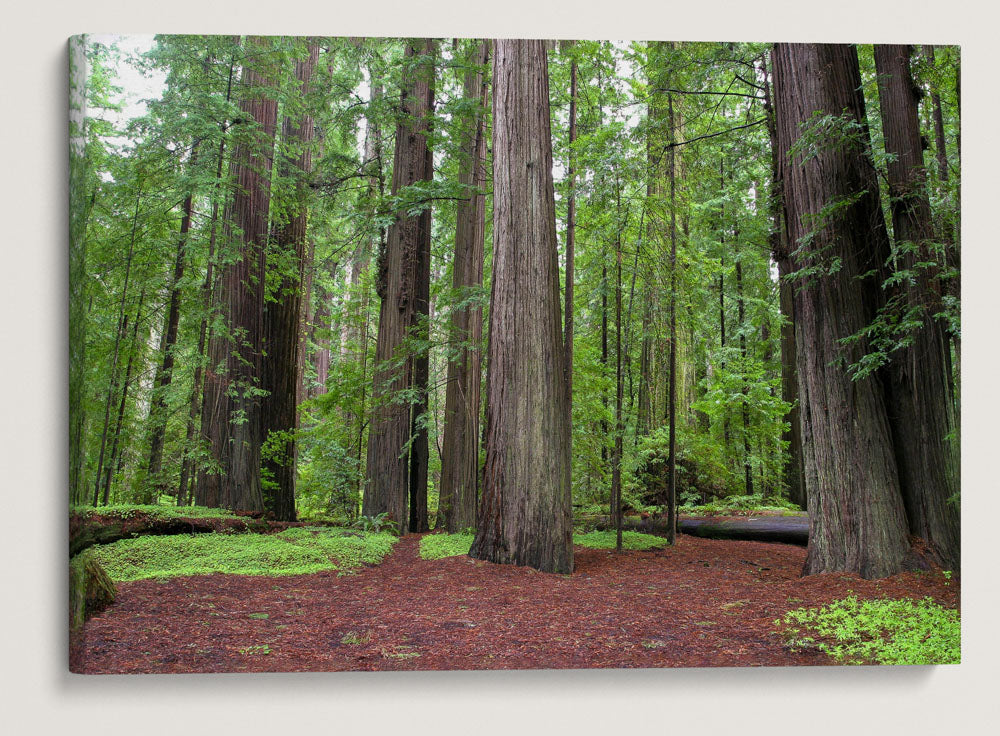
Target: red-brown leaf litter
{"x":702,"y":603}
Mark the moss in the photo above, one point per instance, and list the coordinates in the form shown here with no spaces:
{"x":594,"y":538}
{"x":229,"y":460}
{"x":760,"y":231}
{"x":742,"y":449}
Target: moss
{"x":90,"y":588}
{"x":297,"y":551}
{"x":127,"y":511}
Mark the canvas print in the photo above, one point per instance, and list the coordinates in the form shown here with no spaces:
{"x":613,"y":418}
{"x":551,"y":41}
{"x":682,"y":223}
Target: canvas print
{"x":471,"y":354}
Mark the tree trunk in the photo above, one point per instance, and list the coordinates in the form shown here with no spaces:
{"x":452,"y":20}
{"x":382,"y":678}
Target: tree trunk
{"x":920,"y":409}
{"x":164,"y":377}
{"x":857,"y":522}
{"x":460,"y":454}
{"x":780,"y":252}
{"x":282,"y":318}
{"x":232,"y":403}
{"x":526,"y":513}
{"x":389,"y":432}
{"x":672,"y":365}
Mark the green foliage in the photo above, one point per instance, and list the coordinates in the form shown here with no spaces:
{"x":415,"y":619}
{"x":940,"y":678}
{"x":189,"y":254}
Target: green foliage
{"x":127,"y":511}
{"x":608,"y":540}
{"x":90,"y":588}
{"x":436,"y":546}
{"x":880,"y":631}
{"x":296,"y":551}
{"x":736,"y":505}
{"x":377,"y":523}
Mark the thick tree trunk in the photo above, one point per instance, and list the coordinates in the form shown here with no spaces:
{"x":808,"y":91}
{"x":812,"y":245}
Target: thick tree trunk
{"x":282,"y":318}
{"x":793,"y":470}
{"x":388,"y":473}
{"x":526,"y":513}
{"x":920,"y":409}
{"x":857,"y":521}
{"x":232,"y":403}
{"x":459,"y":488}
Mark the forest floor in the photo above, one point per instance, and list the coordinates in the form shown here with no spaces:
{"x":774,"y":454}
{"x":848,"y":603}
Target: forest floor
{"x":702,"y":603}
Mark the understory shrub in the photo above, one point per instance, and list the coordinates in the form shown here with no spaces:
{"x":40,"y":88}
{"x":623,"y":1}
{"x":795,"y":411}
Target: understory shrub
{"x":882,"y":631}
{"x":436,"y":546}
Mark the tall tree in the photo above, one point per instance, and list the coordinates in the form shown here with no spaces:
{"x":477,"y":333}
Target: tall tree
{"x":525,"y":517}
{"x":231,"y":409}
{"x":282,"y":318}
{"x":832,"y":214}
{"x":920,"y":409}
{"x":460,"y":454}
{"x":388,"y":468}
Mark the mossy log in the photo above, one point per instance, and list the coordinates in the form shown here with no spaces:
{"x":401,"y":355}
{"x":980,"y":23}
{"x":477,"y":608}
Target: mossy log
{"x":90,"y":589}
{"x":86,"y":530}
{"x":785,"y":529}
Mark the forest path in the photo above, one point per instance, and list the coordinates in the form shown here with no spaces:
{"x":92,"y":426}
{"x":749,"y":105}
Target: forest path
{"x":701,"y":603}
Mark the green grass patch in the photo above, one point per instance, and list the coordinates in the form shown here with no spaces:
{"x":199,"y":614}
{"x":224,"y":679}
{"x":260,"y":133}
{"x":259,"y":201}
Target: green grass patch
{"x":436,"y":546}
{"x":608,"y":540}
{"x":879,"y":631}
{"x":127,"y":511}
{"x":297,"y":551}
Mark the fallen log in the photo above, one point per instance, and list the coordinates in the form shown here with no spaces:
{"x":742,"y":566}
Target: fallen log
{"x":90,"y":589}
{"x":88,"y":529}
{"x":783,"y":529}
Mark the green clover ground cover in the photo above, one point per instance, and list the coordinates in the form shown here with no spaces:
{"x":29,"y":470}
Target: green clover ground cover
{"x":436,"y":546}
{"x":878,"y":631}
{"x":127,"y":511}
{"x":297,"y":551}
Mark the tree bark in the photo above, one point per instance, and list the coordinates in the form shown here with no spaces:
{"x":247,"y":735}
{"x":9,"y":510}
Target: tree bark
{"x":780,"y":252}
{"x":857,"y":522}
{"x":282,"y":318}
{"x":526,"y":513}
{"x":460,"y":453}
{"x":232,"y":403}
{"x":388,"y":476}
{"x":920,"y":410}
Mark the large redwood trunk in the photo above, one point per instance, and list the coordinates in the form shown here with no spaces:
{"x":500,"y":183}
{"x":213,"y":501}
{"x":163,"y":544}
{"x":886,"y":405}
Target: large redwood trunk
{"x":232,"y":380}
{"x":282,"y":318}
{"x":460,"y":454}
{"x":920,"y":409}
{"x":525,"y":517}
{"x":857,"y":522}
{"x":780,"y":252}
{"x":387,"y":480}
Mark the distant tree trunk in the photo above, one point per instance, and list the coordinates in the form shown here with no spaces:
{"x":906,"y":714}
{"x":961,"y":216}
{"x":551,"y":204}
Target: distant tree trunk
{"x":115,"y":459}
{"x":616,"y":457}
{"x":780,"y":252}
{"x":388,"y":473}
{"x":186,"y":488}
{"x":570,"y":247}
{"x":232,"y":404}
{"x":920,"y":410}
{"x":525,"y":517}
{"x":119,"y":334}
{"x":460,"y":454}
{"x":164,"y":376}
{"x":282,"y":318}
{"x":741,"y":317}
{"x":672,"y":366}
{"x":857,"y":522}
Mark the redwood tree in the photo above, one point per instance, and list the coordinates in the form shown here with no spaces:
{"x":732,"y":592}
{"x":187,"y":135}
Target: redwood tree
{"x":460,"y":453}
{"x":920,"y":409}
{"x":388,"y":468}
{"x":282,"y":318}
{"x":231,"y":407}
{"x":525,"y":516}
{"x":833,"y":218}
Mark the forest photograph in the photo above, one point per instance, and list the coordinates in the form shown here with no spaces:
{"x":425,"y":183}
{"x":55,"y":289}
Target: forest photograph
{"x":394,"y":353}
